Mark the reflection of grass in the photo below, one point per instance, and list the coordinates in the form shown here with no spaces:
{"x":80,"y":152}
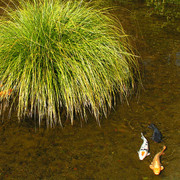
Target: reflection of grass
{"x":64,"y":55}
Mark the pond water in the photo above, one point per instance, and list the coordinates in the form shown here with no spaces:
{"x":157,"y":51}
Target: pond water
{"x":87,"y":151}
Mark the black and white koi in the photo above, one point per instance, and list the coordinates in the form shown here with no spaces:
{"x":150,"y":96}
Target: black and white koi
{"x":143,"y":151}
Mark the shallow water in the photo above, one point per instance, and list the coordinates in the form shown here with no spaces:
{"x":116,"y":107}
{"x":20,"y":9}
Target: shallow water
{"x":109,"y":151}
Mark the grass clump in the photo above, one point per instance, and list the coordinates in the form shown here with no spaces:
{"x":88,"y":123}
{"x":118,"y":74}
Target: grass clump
{"x":58,"y":55}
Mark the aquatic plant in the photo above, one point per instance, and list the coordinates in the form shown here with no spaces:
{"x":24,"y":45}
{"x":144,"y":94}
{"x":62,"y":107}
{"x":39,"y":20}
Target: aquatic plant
{"x":63,"y":56}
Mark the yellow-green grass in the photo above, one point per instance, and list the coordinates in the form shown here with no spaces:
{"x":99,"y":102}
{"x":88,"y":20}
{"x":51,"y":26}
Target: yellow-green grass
{"x":64,"y":55}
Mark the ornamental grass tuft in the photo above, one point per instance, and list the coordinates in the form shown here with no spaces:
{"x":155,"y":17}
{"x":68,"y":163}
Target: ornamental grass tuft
{"x":58,"y":56}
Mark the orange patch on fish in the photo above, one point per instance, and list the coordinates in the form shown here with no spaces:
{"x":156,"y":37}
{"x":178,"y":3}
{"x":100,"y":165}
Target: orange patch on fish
{"x":142,"y":153}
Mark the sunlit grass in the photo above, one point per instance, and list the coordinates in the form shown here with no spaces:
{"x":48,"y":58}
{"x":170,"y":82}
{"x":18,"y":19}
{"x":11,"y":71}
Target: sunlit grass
{"x":70,"y":56}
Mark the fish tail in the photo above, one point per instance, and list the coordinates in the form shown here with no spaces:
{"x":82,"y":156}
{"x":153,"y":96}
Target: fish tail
{"x":162,"y":152}
{"x":152,"y":126}
{"x":164,"y":147}
{"x":142,"y":136}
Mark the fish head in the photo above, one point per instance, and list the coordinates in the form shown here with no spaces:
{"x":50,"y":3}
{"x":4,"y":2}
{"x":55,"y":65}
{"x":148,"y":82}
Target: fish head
{"x":157,"y":171}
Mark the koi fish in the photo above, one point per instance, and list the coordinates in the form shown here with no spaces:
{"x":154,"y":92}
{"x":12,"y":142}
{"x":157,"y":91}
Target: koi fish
{"x":143,"y":151}
{"x":4,"y":93}
{"x":157,"y":136}
{"x":156,"y":164}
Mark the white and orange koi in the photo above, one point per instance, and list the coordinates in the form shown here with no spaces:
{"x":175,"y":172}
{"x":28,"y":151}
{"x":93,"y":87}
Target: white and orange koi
{"x":143,"y":151}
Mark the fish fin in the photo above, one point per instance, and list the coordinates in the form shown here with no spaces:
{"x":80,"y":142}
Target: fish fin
{"x":148,"y":154}
{"x":162,"y":168}
{"x":151,"y":166}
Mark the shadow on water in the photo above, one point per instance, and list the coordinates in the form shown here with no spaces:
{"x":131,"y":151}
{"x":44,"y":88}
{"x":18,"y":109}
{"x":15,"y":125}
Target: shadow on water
{"x":109,"y":151}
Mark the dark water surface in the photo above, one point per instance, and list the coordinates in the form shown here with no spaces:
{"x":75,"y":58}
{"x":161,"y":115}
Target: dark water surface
{"x":109,"y":151}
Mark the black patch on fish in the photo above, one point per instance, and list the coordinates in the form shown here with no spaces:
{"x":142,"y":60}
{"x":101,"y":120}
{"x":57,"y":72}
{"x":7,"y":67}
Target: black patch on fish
{"x":157,"y":136}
